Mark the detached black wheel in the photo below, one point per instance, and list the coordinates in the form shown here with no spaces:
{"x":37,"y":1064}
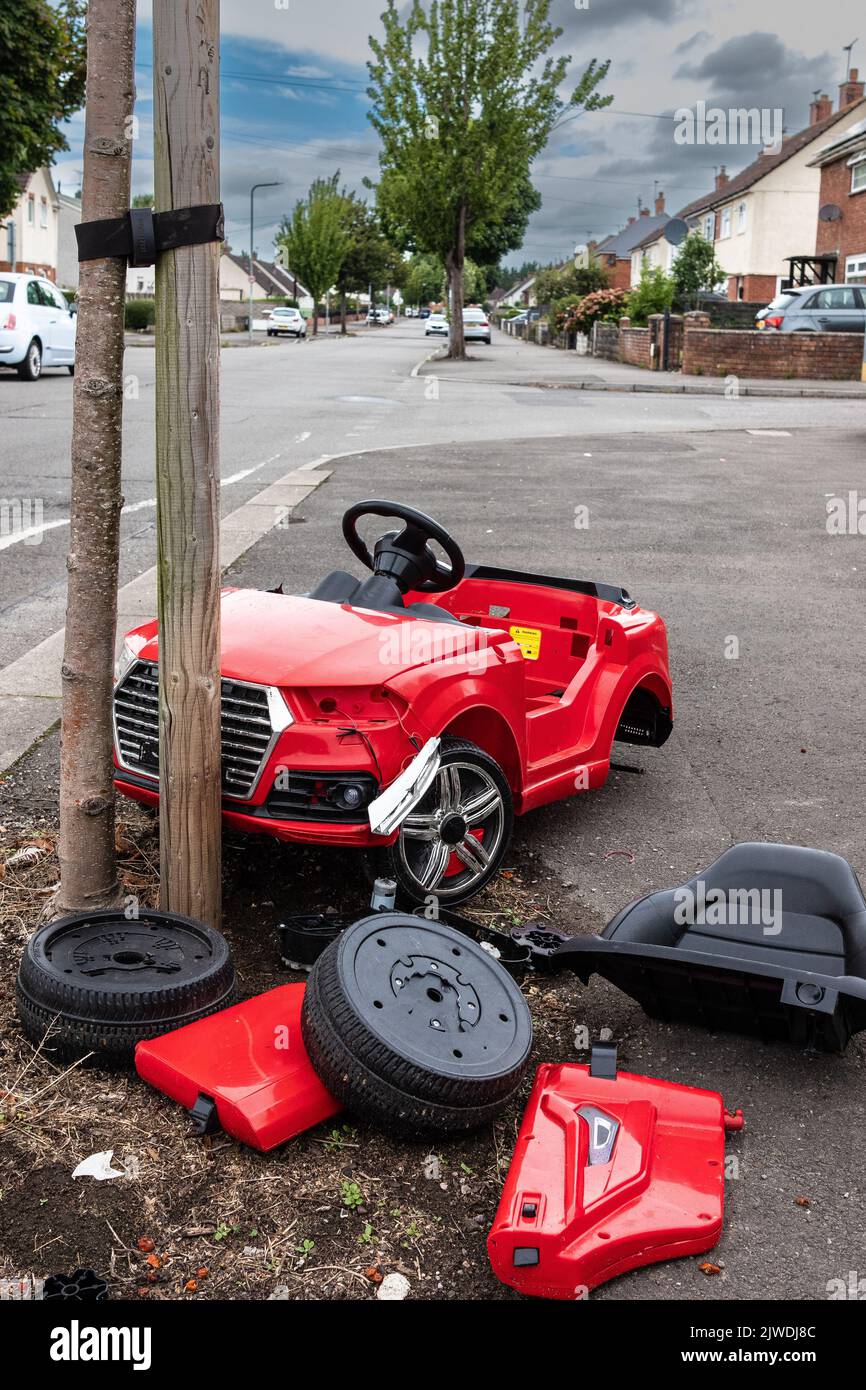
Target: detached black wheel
{"x":453,"y":842}
{"x":31,"y":367}
{"x":96,"y":982}
{"x":414,"y":1026}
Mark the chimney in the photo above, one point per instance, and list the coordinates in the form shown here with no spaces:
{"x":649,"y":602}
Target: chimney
{"x":660,"y":205}
{"x":850,"y":91}
{"x":631,"y":219}
{"x":820,"y":109}
{"x":721,"y":178}
{"x":644,"y":212}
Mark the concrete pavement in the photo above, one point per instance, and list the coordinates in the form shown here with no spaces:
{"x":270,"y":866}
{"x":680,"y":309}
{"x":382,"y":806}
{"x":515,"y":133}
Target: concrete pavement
{"x":556,"y":369}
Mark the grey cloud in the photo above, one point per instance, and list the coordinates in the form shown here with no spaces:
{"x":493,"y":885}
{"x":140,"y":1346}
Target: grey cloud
{"x":601,"y":15}
{"x":702,"y":36}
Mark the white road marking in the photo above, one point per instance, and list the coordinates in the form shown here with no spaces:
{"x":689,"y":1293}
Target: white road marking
{"x":20,"y":536}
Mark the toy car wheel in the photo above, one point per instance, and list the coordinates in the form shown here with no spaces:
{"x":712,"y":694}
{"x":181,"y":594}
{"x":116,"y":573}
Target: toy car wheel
{"x":452,"y":843}
{"x":414,"y":1026}
{"x":95,"y":982}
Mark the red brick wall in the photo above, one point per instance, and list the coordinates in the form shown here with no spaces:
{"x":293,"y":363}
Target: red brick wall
{"x":46,"y":271}
{"x":757,"y":288}
{"x":765,"y":353}
{"x":847,"y":237}
{"x":634,"y":346}
{"x":619,"y":275}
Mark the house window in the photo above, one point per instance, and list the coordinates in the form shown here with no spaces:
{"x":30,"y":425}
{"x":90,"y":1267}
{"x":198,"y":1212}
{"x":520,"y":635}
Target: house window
{"x":43,"y":212}
{"x":741,"y":216}
{"x":855,"y":270}
{"x":858,"y":175}
{"x":726,"y":222}
{"x":31,"y":209}
{"x":709,"y":226}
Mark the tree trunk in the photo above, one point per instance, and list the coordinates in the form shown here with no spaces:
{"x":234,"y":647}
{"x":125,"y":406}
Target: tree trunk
{"x":343,"y":328}
{"x":186,"y":173}
{"x":454,"y":265}
{"x":88,"y":870}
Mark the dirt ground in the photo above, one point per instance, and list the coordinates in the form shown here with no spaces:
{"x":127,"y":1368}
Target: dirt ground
{"x":326,"y":1216}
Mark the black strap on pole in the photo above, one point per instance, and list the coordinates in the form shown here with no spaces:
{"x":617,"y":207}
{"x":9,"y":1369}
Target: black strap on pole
{"x":141,"y":233}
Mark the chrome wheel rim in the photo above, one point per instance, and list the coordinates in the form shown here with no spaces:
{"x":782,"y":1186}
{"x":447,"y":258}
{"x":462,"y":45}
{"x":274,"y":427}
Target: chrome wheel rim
{"x":35,"y":361}
{"x":462,"y":798}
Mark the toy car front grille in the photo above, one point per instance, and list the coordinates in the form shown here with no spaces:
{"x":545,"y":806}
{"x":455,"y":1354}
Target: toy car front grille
{"x":302,"y":795}
{"x":245,"y":725}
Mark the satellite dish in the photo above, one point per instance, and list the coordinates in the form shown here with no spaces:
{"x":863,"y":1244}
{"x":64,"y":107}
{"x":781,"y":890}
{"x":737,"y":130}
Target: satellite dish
{"x":676,"y":231}
{"x":830,"y":212}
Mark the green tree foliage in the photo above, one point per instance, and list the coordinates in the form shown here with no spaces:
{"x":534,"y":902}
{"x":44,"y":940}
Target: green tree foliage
{"x":556,"y":283}
{"x":315,"y":239}
{"x":42,"y":71}
{"x":370,"y":260}
{"x":653,"y":295}
{"x":696,"y":268}
{"x":425,"y":280}
{"x":464,"y":95}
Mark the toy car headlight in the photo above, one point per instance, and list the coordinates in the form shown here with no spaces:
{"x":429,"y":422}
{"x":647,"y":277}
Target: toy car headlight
{"x":126,"y":659}
{"x":349,"y":796}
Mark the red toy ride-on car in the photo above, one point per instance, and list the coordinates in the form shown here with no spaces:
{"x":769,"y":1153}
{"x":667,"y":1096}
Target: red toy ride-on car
{"x":413,"y":713}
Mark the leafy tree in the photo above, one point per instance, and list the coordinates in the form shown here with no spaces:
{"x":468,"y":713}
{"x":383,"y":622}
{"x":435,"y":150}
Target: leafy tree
{"x":316,"y":240}
{"x":653,"y":295}
{"x":464,"y":95}
{"x":568,"y":282}
{"x":509,"y":276}
{"x":369,"y":260}
{"x":696,"y":268}
{"x":143,"y":200}
{"x":425,"y":280}
{"x":42,"y":69}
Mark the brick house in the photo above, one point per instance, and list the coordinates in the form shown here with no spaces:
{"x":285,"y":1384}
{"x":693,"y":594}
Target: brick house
{"x":28,"y":235}
{"x":614,"y":253}
{"x":843,"y":187}
{"x":768,"y":212}
{"x":653,"y":252}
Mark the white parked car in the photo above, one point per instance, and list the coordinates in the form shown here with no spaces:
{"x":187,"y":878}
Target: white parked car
{"x":37,"y":326}
{"x":476,"y":326}
{"x":289,"y":321}
{"x":437,"y":323}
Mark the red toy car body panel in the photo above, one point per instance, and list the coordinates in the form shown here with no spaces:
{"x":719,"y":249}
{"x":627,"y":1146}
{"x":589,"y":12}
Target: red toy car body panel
{"x":608,"y":1175}
{"x":251,"y":1061}
{"x":366,"y":689}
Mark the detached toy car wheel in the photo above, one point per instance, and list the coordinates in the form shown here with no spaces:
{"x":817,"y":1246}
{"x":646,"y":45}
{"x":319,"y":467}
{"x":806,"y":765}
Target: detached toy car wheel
{"x":95,"y":982}
{"x":414,"y":1026}
{"x":452,"y":843}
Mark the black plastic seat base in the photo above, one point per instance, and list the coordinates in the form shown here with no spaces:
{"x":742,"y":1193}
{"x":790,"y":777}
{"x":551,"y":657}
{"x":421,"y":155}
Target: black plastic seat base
{"x":774,"y":946}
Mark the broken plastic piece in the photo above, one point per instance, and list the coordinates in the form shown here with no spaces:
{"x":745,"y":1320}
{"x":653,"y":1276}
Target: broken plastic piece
{"x":608,"y":1175}
{"x":250,"y":1063}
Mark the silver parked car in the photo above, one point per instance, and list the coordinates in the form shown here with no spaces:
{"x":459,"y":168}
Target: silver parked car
{"x":816,"y":309}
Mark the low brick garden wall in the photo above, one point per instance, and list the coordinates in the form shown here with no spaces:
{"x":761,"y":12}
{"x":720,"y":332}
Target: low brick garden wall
{"x":634,"y":346}
{"x":766,"y":353}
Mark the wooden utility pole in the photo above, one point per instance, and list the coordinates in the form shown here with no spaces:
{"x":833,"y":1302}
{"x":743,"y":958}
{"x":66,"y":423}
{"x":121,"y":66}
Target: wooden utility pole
{"x":88,"y":870}
{"x":186,"y":174}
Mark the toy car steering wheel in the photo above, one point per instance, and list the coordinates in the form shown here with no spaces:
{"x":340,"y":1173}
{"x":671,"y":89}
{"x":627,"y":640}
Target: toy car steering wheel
{"x":405,"y":556}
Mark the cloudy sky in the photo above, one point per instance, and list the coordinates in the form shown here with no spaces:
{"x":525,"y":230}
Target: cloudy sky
{"x":294,"y":102}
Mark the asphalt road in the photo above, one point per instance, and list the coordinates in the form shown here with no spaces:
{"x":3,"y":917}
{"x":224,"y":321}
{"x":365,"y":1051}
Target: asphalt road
{"x":721,"y":530}
{"x":286,"y":403}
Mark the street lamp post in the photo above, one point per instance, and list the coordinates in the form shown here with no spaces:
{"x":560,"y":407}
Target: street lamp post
{"x":274,"y":183}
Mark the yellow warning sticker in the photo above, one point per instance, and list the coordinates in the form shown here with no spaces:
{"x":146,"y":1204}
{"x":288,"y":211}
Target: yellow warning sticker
{"x":528,"y":639}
